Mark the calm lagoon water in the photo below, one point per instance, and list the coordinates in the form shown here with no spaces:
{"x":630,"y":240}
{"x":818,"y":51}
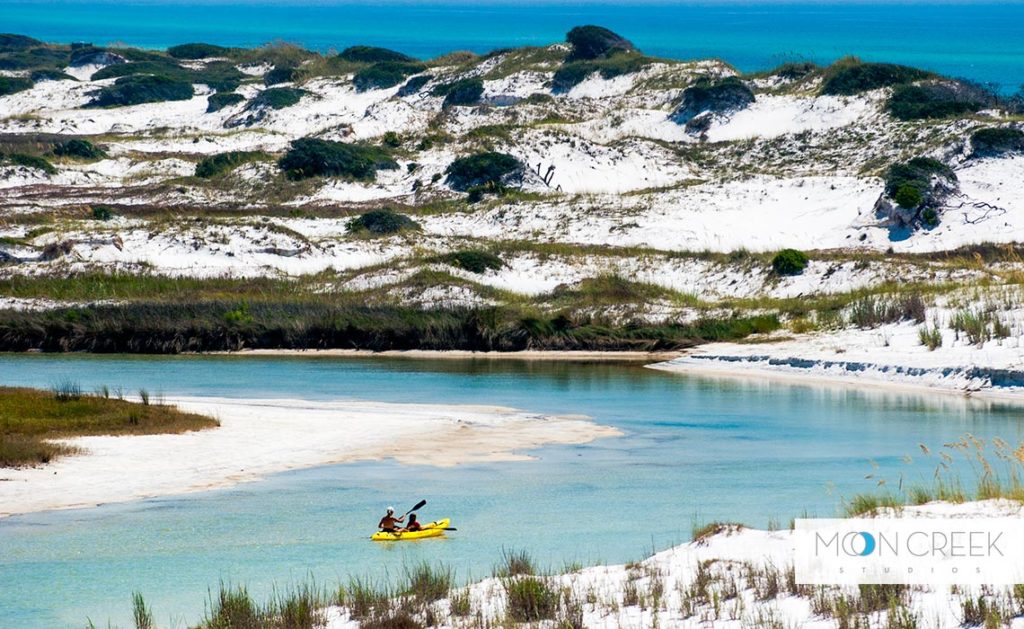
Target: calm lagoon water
{"x":694,"y":450}
{"x":981,"y":40}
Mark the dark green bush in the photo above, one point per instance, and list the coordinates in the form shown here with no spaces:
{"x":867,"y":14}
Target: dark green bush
{"x":280,"y":74}
{"x":473,"y":260}
{"x":380,"y":222}
{"x":385,"y":74}
{"x":221,"y":163}
{"x":994,"y":140}
{"x":789,"y":262}
{"x":372,"y":54}
{"x":14,"y":84}
{"x":31,"y":161}
{"x":723,"y":95}
{"x":196,"y":51}
{"x":163,"y":67}
{"x":10,"y":42}
{"x":483,"y":169}
{"x":794,"y":70}
{"x":461,"y":92}
{"x":852,"y":77}
{"x":592,"y":42}
{"x":50,"y":75}
{"x":102,"y":212}
{"x":937,"y":100}
{"x":35,"y":58}
{"x":917,"y":173}
{"x":575,"y":72}
{"x":133,"y":90}
{"x":276,"y":98}
{"x":414,"y":84}
{"x":220,"y":100}
{"x":82,"y":149}
{"x":391,"y":139}
{"x":222,"y":76}
{"x":908,"y":196}
{"x":90,"y":55}
{"x":311,"y":157}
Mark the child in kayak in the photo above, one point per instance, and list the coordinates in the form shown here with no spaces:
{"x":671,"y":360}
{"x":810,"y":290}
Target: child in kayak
{"x":413,"y":525}
{"x":389,"y":523}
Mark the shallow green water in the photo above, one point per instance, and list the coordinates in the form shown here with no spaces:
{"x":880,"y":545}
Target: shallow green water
{"x":694,"y":449}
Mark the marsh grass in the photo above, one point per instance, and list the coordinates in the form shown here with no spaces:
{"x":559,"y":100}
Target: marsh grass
{"x":30,"y":419}
{"x":141,"y":614}
{"x":530,"y":599}
{"x":427,"y":583}
{"x":515,"y":563}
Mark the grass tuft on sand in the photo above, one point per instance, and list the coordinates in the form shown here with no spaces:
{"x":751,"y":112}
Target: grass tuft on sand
{"x":30,"y":419}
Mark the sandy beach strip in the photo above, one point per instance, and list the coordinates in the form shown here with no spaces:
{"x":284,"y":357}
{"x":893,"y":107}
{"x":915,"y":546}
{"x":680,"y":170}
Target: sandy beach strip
{"x":261,"y":437}
{"x":537,"y":355}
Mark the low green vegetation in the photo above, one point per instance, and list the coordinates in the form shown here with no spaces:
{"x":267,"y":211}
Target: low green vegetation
{"x":473,"y":260}
{"x":222,"y":76}
{"x":462,"y":92}
{"x":996,"y":140}
{"x":280,"y":74}
{"x":908,"y":196}
{"x":102,"y":212}
{"x":716,"y":95}
{"x":573,"y":73}
{"x":414,"y":84}
{"x":483,"y":169}
{"x":50,"y":75}
{"x":851,"y":76}
{"x":220,"y":100}
{"x":30,"y":419}
{"x":312,"y":157}
{"x":916,"y":176}
{"x":135,"y":90}
{"x":29,"y":161}
{"x":936,"y":100}
{"x":530,"y":599}
{"x":14,"y":84}
{"x":197,"y":51}
{"x":789,"y":262}
{"x":593,"y":42}
{"x":276,"y":98}
{"x":373,"y":54}
{"x":385,"y":74}
{"x":222,"y":163}
{"x":78,"y":149}
{"x":382,"y":222}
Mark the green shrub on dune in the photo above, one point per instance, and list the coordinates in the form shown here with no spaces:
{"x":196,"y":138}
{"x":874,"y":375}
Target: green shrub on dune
{"x":277,"y":98}
{"x":221,"y":163}
{"x":281,"y":74}
{"x":574,"y":73}
{"x":593,"y":42}
{"x":77,"y":148}
{"x":373,"y":54}
{"x":14,"y":84}
{"x":312,"y":157}
{"x":916,"y":173}
{"x":462,"y":92}
{"x":220,"y":100}
{"x":385,"y":74}
{"x":937,"y":100}
{"x":789,"y":262}
{"x":995,"y":140}
{"x":30,"y":161}
{"x":134,"y":90}
{"x":382,"y":222}
{"x":850,"y":76}
{"x":473,"y":260}
{"x":483,"y":169}
{"x":196,"y":51}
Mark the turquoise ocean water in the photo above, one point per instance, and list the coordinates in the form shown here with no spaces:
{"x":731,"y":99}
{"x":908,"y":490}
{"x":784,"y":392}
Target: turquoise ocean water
{"x":694,"y":450}
{"x":982,"y":40}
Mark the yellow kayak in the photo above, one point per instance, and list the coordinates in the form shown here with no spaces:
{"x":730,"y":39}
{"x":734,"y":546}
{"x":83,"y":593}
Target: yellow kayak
{"x":431,"y":529}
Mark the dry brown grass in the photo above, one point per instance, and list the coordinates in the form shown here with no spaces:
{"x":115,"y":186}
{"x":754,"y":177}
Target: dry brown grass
{"x":30,"y":418}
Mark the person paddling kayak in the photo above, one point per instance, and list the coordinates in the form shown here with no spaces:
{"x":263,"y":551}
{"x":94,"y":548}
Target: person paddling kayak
{"x":413,"y":524}
{"x":389,"y":523}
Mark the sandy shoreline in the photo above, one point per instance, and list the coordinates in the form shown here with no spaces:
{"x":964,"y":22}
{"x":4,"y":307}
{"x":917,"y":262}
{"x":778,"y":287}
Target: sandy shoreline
{"x":734,"y":371}
{"x":539,"y":355}
{"x":260,"y":437}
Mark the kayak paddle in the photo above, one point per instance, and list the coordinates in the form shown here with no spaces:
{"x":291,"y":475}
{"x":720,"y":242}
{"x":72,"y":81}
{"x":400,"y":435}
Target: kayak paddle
{"x":419,"y":505}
